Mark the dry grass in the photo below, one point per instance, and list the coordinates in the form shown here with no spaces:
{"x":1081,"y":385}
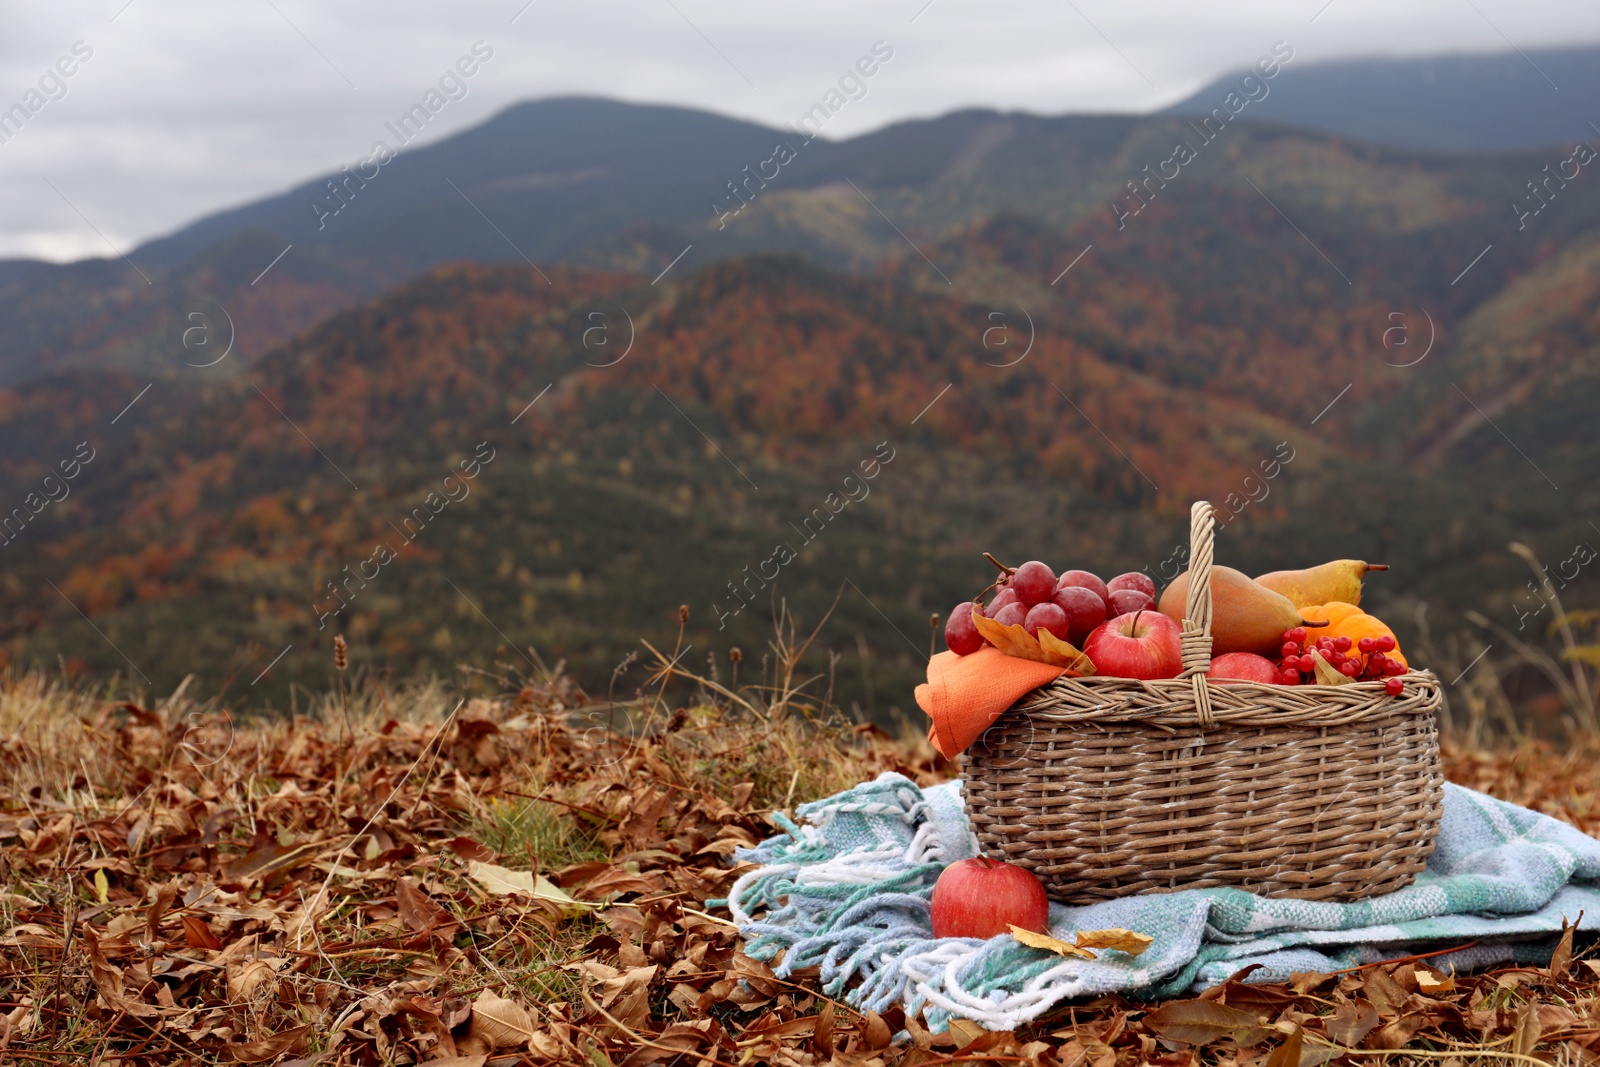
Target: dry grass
{"x":178,"y":886}
{"x":1544,"y":680}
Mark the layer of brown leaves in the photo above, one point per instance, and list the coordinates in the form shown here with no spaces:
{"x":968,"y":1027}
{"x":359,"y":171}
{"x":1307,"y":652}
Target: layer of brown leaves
{"x":1563,"y":781}
{"x":175,"y":888}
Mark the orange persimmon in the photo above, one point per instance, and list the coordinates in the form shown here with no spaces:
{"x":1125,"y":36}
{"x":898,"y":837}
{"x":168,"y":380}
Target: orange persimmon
{"x":1347,"y":620}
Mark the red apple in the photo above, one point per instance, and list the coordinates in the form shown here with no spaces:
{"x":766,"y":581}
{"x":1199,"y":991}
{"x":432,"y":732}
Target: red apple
{"x":1134,"y":580}
{"x":1245,"y":667}
{"x":1144,"y":644}
{"x":1085,"y":610}
{"x":1085,"y":580}
{"x":983,"y":897}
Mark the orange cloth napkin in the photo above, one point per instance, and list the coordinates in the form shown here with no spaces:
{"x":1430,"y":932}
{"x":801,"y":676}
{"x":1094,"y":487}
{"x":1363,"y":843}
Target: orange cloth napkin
{"x":964,"y":695}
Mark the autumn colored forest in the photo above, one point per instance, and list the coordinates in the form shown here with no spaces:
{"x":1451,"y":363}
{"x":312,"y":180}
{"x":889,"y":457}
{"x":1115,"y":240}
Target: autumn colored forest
{"x":1051,"y":378}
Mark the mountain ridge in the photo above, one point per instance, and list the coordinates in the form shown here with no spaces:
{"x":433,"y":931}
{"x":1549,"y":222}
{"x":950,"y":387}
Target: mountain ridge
{"x":1459,"y":102}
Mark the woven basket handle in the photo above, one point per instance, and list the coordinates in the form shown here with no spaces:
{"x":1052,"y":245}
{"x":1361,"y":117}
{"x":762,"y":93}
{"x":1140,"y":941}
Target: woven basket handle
{"x":1197,"y":608}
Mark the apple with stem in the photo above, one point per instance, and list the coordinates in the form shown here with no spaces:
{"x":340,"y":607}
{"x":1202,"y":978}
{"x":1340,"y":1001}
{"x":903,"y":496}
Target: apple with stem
{"x":1141,"y":644}
{"x":982,"y":897}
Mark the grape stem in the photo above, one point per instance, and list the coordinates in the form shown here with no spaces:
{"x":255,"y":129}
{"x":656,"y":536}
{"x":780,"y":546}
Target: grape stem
{"x":1004,"y":569}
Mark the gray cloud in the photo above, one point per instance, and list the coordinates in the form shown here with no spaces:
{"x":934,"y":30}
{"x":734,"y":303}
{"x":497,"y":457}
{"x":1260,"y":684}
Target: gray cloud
{"x":188,"y":106}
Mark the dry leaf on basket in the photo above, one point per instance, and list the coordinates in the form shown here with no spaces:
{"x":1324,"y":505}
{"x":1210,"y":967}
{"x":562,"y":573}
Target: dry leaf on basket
{"x":1046,"y":648}
{"x":1327,"y":673}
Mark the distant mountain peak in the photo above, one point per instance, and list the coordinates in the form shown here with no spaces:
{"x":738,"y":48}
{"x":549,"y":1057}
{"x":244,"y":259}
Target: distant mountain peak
{"x":1494,"y":102}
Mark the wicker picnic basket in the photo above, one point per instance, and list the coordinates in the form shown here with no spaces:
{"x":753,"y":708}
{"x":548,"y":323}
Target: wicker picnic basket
{"x":1107,"y":787}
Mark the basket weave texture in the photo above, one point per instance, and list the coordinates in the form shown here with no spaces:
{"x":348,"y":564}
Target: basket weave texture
{"x":1108,"y":787}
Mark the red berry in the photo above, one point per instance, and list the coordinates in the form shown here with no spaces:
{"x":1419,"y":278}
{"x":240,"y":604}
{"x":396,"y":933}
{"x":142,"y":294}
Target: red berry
{"x":1290,"y":677}
{"x":960,"y":635}
{"x":1290,"y":649}
{"x":1297,"y":635}
{"x":1034,"y":582}
{"x":1342,"y":644}
{"x":1394,"y":687}
{"x":1308,"y":664}
{"x":1349,"y":668}
{"x":1393,"y":667}
{"x":1385,"y":643}
{"x":1046,"y":616}
{"x":1366,"y":646}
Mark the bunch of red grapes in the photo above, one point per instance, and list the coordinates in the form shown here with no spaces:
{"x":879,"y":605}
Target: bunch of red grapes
{"x":1369,"y":664}
{"x":1069,"y":607}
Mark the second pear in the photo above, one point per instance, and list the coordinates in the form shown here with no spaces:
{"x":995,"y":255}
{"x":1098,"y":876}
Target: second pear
{"x":1338,"y":579}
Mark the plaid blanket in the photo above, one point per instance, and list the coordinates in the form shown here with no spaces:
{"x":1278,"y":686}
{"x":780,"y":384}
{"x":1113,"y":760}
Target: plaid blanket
{"x":846,"y":889}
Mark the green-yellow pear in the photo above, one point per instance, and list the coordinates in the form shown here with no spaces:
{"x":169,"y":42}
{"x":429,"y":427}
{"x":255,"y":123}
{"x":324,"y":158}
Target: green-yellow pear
{"x":1338,"y":579}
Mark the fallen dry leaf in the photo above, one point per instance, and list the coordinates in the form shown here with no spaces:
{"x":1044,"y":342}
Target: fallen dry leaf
{"x":1288,"y":1053}
{"x":247,"y":978}
{"x":421,"y":913}
{"x":1049,"y":944}
{"x":1110,"y":938}
{"x":627,"y":996}
{"x":197,"y":934}
{"x":502,"y":882}
{"x":1561,"y":959}
{"x":875,"y":1033}
{"x":1351,"y":1022}
{"x":108,"y":979}
{"x":1431,"y":982}
{"x":1114,"y":938}
{"x":1199,"y":1022}
{"x":500,"y":1022}
{"x":268,"y":1048}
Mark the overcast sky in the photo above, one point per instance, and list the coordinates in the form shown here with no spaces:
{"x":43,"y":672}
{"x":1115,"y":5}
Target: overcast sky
{"x":188,"y":106}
